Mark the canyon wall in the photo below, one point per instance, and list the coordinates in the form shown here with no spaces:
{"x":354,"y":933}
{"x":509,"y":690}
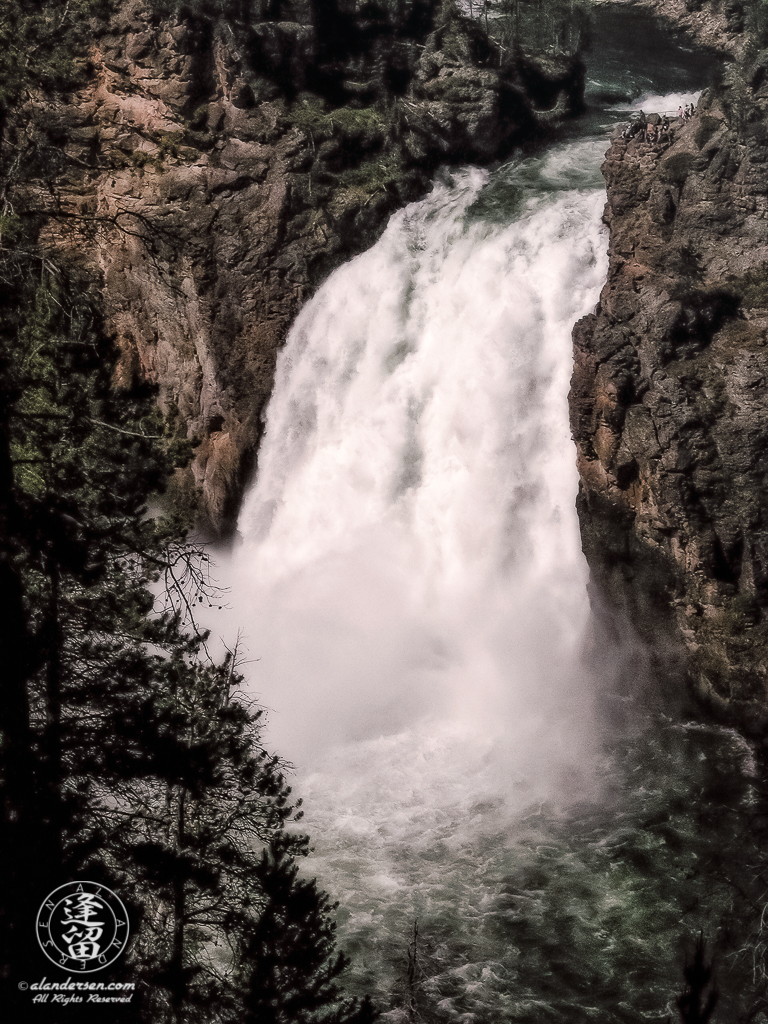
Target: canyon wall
{"x":669,"y":400}
{"x":210,"y":173}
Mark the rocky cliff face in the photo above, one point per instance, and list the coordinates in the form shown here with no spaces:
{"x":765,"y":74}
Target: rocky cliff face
{"x":720,"y":25}
{"x":669,"y":401}
{"x":212,"y":172}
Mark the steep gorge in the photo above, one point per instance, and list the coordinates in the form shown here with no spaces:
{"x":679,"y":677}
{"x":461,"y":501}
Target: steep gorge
{"x":211,"y":172}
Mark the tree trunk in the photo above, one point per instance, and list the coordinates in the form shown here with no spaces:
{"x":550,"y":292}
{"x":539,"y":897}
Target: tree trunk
{"x":22,"y":856}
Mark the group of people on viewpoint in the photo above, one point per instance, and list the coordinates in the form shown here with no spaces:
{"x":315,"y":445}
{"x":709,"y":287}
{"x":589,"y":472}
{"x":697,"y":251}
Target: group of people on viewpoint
{"x":656,"y":128}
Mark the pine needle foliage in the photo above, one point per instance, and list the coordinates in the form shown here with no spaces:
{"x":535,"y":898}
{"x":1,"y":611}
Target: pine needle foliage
{"x":127,"y":755}
{"x":43,"y":43}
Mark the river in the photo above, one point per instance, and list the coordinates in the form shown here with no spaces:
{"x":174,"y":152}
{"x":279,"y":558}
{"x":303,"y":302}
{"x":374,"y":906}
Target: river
{"x":410,"y":581}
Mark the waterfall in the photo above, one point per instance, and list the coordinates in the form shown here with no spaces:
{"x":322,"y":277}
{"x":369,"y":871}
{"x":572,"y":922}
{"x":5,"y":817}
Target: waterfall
{"x":411,"y":587}
{"x":409,"y":573}
{"x":410,"y":555}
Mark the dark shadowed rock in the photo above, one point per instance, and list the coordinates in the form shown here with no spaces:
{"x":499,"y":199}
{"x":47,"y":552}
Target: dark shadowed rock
{"x":669,"y":404}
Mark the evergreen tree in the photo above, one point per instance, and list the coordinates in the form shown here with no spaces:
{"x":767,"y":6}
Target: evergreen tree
{"x":126,"y":755}
{"x":290,"y":966}
{"x":78,"y":555}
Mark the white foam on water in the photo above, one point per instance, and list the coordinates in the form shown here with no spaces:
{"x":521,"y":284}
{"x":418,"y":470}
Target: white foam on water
{"x":651,"y":103}
{"x":409,"y":574}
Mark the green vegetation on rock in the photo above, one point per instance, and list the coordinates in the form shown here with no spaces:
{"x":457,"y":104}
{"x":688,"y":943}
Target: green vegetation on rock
{"x":44,"y":43}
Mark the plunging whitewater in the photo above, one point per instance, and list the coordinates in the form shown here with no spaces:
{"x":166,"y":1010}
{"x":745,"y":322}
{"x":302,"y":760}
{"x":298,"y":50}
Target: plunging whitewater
{"x":411,"y":540}
{"x":410,"y":563}
{"x":411,"y":585}
{"x":410,"y":576}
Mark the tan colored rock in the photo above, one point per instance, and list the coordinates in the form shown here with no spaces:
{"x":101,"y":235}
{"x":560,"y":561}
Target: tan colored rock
{"x":210,"y":203}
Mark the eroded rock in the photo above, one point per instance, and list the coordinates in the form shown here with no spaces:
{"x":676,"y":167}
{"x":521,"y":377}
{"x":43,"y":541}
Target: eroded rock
{"x":211,"y":195}
{"x":669,"y":405}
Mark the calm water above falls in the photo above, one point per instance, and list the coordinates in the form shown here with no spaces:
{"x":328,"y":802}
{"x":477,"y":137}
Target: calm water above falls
{"x":409,"y":576}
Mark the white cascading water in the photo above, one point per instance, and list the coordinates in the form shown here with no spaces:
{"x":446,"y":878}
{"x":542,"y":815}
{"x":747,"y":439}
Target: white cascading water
{"x":409,"y":577}
{"x":411,"y":545}
{"x":409,"y":574}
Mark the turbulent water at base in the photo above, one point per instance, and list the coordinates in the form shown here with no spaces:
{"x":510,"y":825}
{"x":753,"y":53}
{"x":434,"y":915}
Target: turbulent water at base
{"x":409,"y":577}
{"x":413,"y":548}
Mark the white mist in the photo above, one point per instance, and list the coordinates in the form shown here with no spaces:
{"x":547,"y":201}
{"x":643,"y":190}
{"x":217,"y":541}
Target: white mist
{"x":409,"y":573}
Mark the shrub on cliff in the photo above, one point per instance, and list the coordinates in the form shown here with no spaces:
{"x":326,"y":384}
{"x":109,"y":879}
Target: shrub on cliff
{"x":756,"y":20}
{"x":43,"y":43}
{"x":752,"y":286}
